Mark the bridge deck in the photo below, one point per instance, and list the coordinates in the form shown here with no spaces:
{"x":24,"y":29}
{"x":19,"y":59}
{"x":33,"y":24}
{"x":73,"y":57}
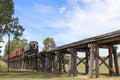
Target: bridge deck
{"x":112,"y":38}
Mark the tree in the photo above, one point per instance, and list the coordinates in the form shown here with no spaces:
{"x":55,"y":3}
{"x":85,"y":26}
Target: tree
{"x":14,"y":28}
{"x":48,"y":44}
{"x":15,"y":44}
{"x":8,"y":24}
{"x":6,"y":12}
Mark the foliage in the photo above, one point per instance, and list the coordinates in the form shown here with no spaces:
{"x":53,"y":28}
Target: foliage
{"x":48,"y":43}
{"x":15,"y":44}
{"x":6,"y":11}
{"x":13,"y":27}
{"x":67,"y":57}
{"x":118,"y":53}
{"x":8,"y":24}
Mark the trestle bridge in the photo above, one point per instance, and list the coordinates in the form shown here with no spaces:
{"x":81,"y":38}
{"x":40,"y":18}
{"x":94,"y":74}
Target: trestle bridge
{"x":53,"y":61}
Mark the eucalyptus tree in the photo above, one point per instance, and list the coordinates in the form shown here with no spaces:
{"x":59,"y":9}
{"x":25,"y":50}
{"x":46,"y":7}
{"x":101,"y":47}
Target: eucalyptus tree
{"x":8,"y":24}
{"x":14,"y":28}
{"x":48,"y":43}
{"x":6,"y":12}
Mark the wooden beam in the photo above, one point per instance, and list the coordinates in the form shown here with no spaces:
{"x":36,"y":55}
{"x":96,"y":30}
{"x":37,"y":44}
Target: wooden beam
{"x":86,"y":61}
{"x":81,"y":61}
{"x":57,"y":63}
{"x":97,"y":62}
{"x":104,"y":63}
{"x":104,"y":60}
{"x":110,"y":60}
{"x":73,"y":62}
{"x":91,"y":61}
{"x":104,"y":46}
{"x":116,"y":61}
{"x":61,"y":62}
{"x":110,"y":40}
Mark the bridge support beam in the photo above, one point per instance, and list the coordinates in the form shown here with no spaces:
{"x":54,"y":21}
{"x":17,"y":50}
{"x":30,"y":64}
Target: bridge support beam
{"x":110,"y":61}
{"x":57,"y":63}
{"x":23,"y":63}
{"x":86,"y":61}
{"x":96,"y":62}
{"x":43,"y":64}
{"x":73,"y":62}
{"x":48,"y":63}
{"x":94,"y":52}
{"x":116,"y":60}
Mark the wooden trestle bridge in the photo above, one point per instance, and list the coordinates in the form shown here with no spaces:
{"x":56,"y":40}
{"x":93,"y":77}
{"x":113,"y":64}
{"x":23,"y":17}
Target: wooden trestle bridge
{"x":53,"y":60}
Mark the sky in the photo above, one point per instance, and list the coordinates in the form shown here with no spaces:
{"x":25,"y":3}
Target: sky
{"x":66,"y":21}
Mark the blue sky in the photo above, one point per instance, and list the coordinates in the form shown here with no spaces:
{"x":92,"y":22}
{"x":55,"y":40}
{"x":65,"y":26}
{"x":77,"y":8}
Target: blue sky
{"x":67,"y":20}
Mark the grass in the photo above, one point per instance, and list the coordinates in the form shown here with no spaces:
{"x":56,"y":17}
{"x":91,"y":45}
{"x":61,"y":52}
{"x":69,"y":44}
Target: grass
{"x":3,"y":66}
{"x":33,"y":75}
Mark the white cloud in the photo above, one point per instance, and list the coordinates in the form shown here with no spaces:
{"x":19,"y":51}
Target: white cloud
{"x":62,"y":9}
{"x":97,"y":18}
{"x":73,"y":2}
{"x":86,"y":1}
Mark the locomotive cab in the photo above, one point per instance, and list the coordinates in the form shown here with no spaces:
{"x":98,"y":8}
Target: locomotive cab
{"x":33,"y":46}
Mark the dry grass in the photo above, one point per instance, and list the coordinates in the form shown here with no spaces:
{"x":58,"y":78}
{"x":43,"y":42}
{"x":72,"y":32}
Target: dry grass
{"x":3,"y":66}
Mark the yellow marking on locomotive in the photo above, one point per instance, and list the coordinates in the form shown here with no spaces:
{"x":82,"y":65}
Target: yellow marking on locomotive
{"x":33,"y":45}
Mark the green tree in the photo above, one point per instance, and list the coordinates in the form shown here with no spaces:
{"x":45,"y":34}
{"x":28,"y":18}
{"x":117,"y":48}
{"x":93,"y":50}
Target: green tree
{"x":48,"y":43}
{"x":6,"y":12}
{"x":8,"y":24}
{"x":14,"y":28}
{"x":15,"y":44}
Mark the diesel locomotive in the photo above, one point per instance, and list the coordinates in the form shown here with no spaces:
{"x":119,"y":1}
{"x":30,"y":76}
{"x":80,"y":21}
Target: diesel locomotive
{"x":30,"y":48}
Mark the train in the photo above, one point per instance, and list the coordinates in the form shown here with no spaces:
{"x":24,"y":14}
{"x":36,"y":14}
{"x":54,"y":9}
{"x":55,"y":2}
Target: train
{"x":30,"y":48}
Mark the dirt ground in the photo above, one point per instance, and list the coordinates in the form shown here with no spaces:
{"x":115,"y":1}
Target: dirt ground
{"x":100,"y":78}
